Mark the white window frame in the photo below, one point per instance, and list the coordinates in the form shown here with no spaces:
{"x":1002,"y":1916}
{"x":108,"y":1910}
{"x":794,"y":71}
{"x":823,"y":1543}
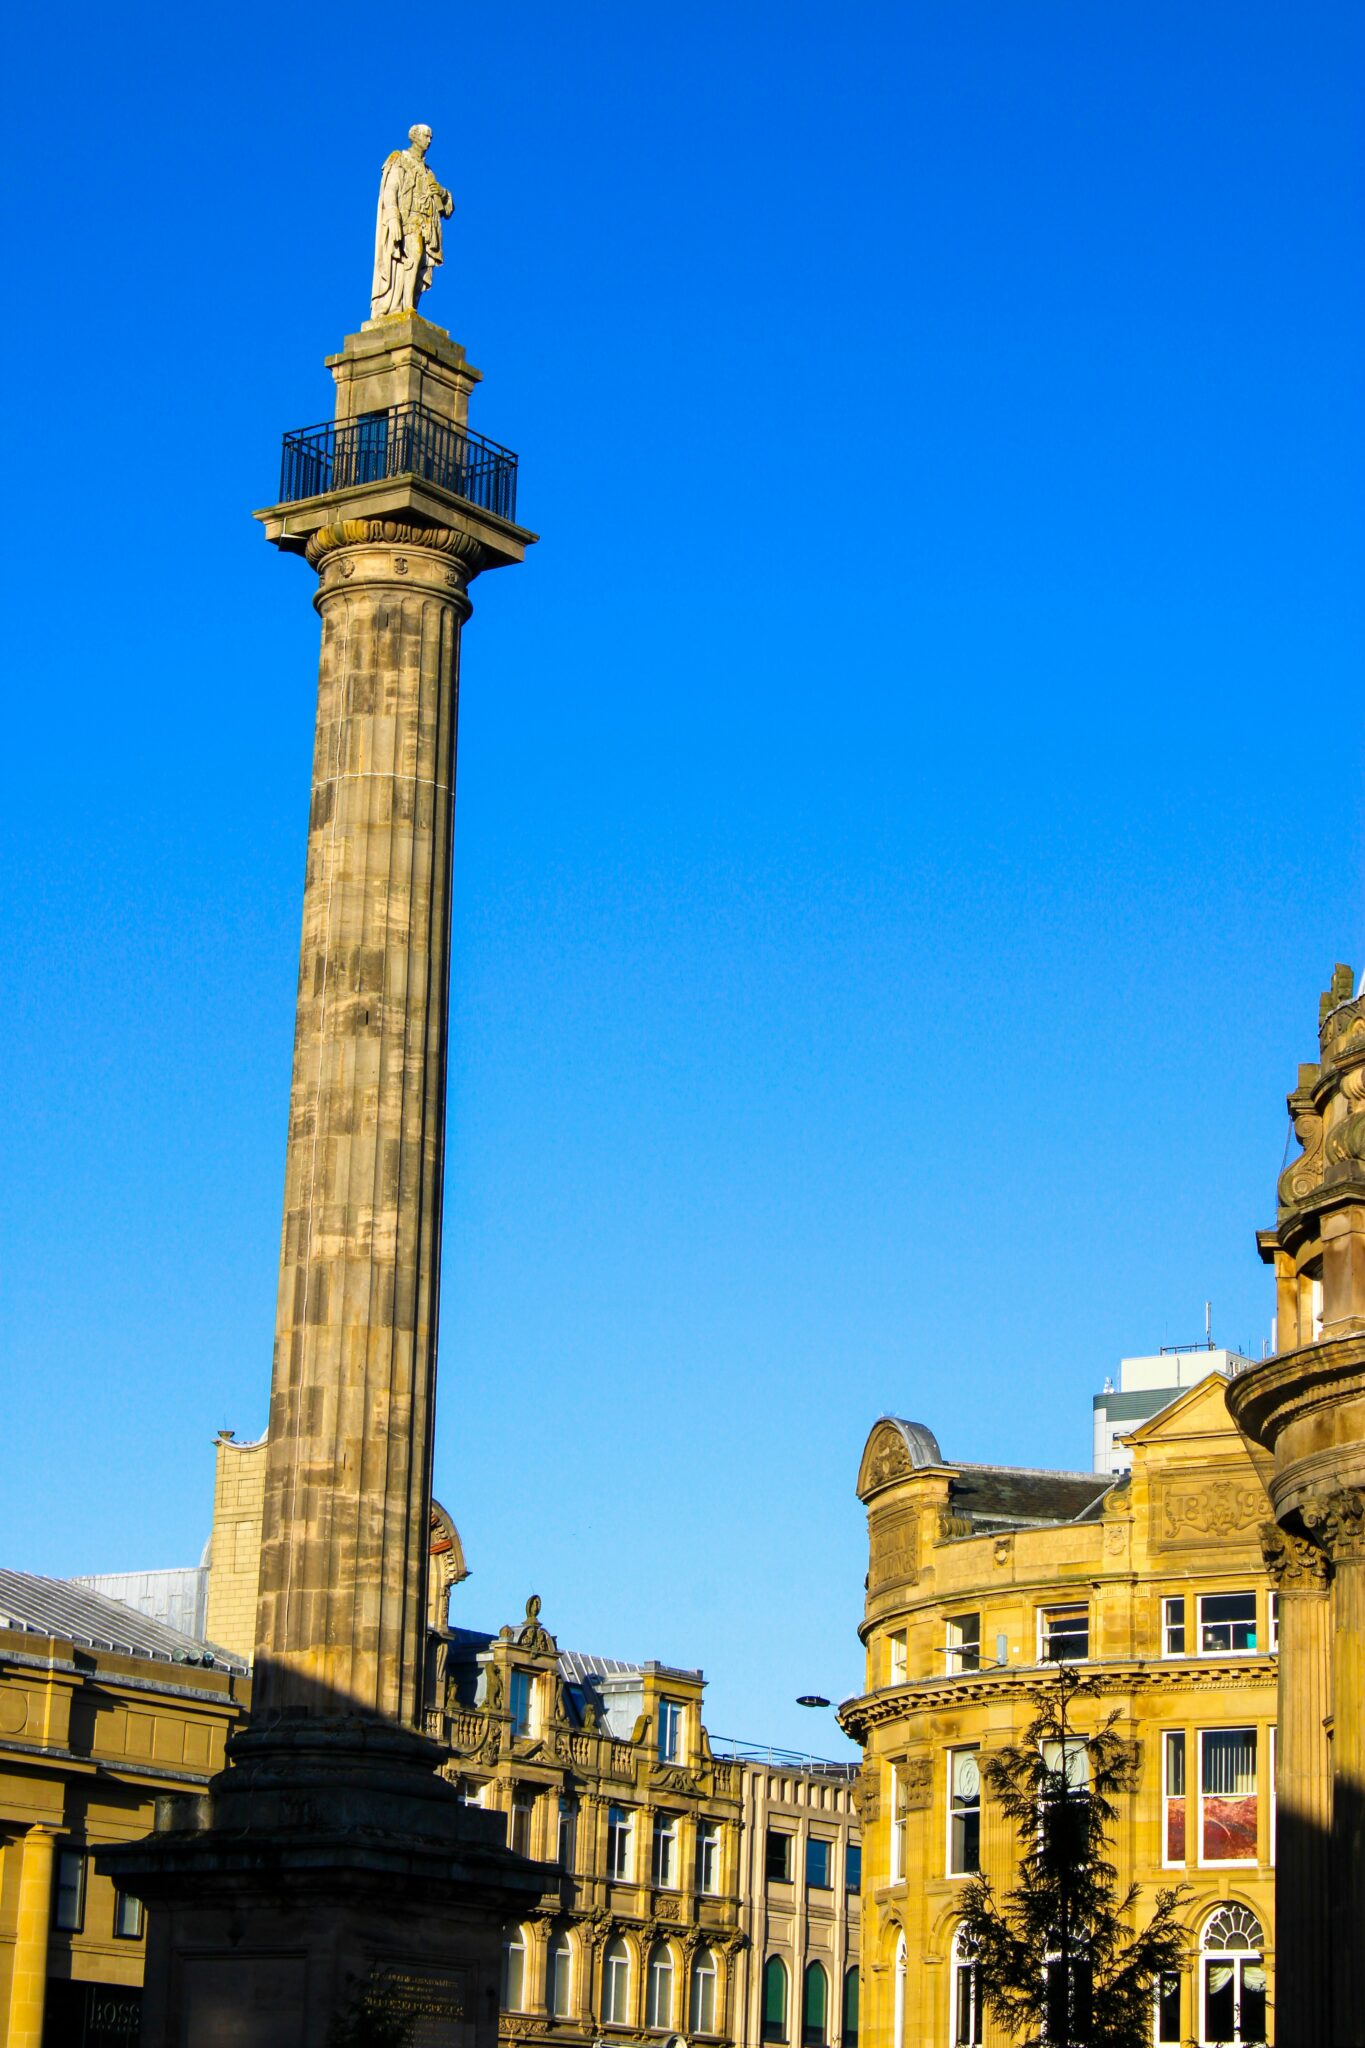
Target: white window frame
{"x":1224,"y":1862}
{"x":1174,"y":1616}
{"x":663,"y":1860}
{"x":521,"y":1693}
{"x":671,"y":1731}
{"x":659,"y":1970}
{"x":960,"y":1966}
{"x":897,"y":1657}
{"x":1055,"y":1613}
{"x":701,"y":2012}
{"x":962,"y":1649}
{"x":616,"y":1976}
{"x":559,"y":2001}
{"x":1272,"y":1621}
{"x":1237,"y":1593}
{"x":897,"y":1828}
{"x":962,"y":1749}
{"x":707,"y":1858}
{"x":514,"y":1944}
{"x":1168,"y":1735}
{"x":620,"y":1843}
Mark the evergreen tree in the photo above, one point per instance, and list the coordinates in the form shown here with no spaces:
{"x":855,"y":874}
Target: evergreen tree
{"x":1059,"y":1961}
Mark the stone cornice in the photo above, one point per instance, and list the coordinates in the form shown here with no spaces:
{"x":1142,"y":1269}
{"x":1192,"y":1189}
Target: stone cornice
{"x":942,"y":1694}
{"x":1292,"y":1384}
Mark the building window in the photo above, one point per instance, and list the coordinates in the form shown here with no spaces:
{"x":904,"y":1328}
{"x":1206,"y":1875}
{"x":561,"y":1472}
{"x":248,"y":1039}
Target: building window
{"x":1173,"y":1626}
{"x":817,"y":1863}
{"x":897,"y":1665}
{"x":523,"y":1806}
{"x":670,"y":1731}
{"x":853,"y":1867}
{"x":659,"y":1989}
{"x":68,"y":1906}
{"x":851,"y":2007}
{"x":898,"y":1995}
{"x":815,"y":2007}
{"x":964,"y":1812}
{"x":618,"y":1844}
{"x":1063,"y":1635}
{"x":616,"y":1983}
{"x":774,"y":1999}
{"x":559,"y":1989}
{"x":1272,"y":1630}
{"x":965,"y":1984}
{"x":1173,"y":1796}
{"x":1227,"y":1624}
{"x":514,"y":1971}
{"x":708,"y":1857}
{"x":1232,"y":1976}
{"x":701,"y":2008}
{"x":777,"y":1857}
{"x":898,"y":1795}
{"x":567,"y":1851}
{"x":1168,"y":2007}
{"x":664,"y":1868}
{"x":964,"y":1642}
{"x":127,"y":1917}
{"x":520,"y":1701}
{"x":1227,"y":1795}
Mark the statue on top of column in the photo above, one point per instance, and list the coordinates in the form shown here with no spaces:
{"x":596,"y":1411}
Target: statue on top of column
{"x":407,"y":236}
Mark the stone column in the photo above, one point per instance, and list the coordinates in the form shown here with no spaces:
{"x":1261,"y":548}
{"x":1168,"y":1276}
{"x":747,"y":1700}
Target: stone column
{"x":28,"y":1978}
{"x":1303,"y":1789}
{"x":1337,"y":1520}
{"x":341,"y":1617}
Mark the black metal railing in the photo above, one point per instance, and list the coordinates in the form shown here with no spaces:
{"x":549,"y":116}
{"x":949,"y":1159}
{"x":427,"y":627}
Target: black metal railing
{"x":406,"y":440}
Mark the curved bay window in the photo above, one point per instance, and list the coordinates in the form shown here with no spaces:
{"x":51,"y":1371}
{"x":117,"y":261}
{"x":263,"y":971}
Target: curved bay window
{"x":701,"y":2007}
{"x":815,"y":2007}
{"x":774,"y":1999}
{"x":659,"y":1988}
{"x":1232,"y":1977}
{"x":616,"y":1983}
{"x":514,"y":1971}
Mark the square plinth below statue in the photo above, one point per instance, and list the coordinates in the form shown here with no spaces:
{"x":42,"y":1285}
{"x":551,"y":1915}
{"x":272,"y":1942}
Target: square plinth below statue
{"x":327,"y":1875}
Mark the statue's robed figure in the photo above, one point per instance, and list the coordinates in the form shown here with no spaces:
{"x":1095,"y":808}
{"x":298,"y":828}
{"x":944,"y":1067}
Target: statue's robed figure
{"x":407,"y":236}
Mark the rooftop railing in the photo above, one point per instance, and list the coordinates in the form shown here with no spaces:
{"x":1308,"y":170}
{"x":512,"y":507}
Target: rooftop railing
{"x":405,"y":440}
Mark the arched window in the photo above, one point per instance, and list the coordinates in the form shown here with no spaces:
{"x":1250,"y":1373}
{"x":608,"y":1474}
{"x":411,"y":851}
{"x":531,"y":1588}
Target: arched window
{"x":965,"y":1991}
{"x":774,"y":1999}
{"x":559,"y":1976}
{"x":514,"y":1971}
{"x":815,"y":2007}
{"x":702,"y":2003}
{"x":898,"y":1996}
{"x":851,"y":2007}
{"x":1232,"y":1973}
{"x":659,"y":1990}
{"x":616,"y":1983}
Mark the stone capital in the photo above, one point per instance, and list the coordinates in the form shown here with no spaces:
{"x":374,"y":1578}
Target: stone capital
{"x":1295,"y":1564}
{"x":1337,"y":1522}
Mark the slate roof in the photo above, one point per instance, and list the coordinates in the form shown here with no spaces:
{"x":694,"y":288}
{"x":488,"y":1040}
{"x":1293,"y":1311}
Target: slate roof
{"x":1014,"y":1497}
{"x":57,"y":1607}
{"x":574,"y":1665}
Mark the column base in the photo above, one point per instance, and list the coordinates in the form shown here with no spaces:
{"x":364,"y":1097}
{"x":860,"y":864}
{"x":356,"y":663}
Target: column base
{"x":328,"y":1871}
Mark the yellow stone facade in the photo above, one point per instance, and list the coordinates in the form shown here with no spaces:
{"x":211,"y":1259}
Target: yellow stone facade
{"x":89,"y":1739}
{"x":1154,"y":1585}
{"x":605,"y":1773}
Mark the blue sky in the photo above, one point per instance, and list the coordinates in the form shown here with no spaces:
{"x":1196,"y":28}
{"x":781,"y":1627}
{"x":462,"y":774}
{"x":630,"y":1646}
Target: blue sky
{"x":909,"y":802}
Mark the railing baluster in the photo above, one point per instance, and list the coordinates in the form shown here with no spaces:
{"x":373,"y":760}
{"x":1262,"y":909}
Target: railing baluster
{"x":407,"y":440}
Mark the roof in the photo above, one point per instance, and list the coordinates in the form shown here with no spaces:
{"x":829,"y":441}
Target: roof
{"x":58,"y":1607}
{"x":1008,"y":1496}
{"x":575,"y":1665}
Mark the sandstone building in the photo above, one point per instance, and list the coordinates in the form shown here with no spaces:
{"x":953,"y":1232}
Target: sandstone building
{"x":102,"y":1711}
{"x":1153,"y":1584}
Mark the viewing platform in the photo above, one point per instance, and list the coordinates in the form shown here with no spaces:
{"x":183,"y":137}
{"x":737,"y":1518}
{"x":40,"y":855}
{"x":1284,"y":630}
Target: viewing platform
{"x":403,"y":441}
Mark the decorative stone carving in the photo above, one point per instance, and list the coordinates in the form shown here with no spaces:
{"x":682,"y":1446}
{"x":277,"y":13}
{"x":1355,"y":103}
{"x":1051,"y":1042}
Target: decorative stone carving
{"x":1337,"y":1522}
{"x":530,"y":1635}
{"x":1295,"y":1564}
{"x":407,"y":235}
{"x":867,"y":1798}
{"x":889,"y":1459}
{"x":1189,"y":1511}
{"x":916,"y":1780}
{"x":410,"y":533}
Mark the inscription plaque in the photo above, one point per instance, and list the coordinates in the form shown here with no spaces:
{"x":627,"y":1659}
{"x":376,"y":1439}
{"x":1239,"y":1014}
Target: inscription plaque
{"x":436,"y":2002}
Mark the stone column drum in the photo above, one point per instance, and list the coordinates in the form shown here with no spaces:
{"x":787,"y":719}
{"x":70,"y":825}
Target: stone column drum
{"x":348,"y":1483}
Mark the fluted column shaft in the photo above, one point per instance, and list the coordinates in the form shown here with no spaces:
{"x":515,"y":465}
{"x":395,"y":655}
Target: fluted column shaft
{"x":1348,"y":1804}
{"x":341,"y":1613}
{"x":1302,"y":1791}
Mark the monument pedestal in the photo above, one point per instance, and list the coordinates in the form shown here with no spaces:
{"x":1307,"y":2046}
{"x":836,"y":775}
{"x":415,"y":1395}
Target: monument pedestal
{"x":329,"y":1876}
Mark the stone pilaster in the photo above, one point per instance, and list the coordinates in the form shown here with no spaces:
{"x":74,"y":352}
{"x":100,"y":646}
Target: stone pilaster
{"x":1298,"y":1569}
{"x":342,"y":1607}
{"x":1337,"y":1521}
